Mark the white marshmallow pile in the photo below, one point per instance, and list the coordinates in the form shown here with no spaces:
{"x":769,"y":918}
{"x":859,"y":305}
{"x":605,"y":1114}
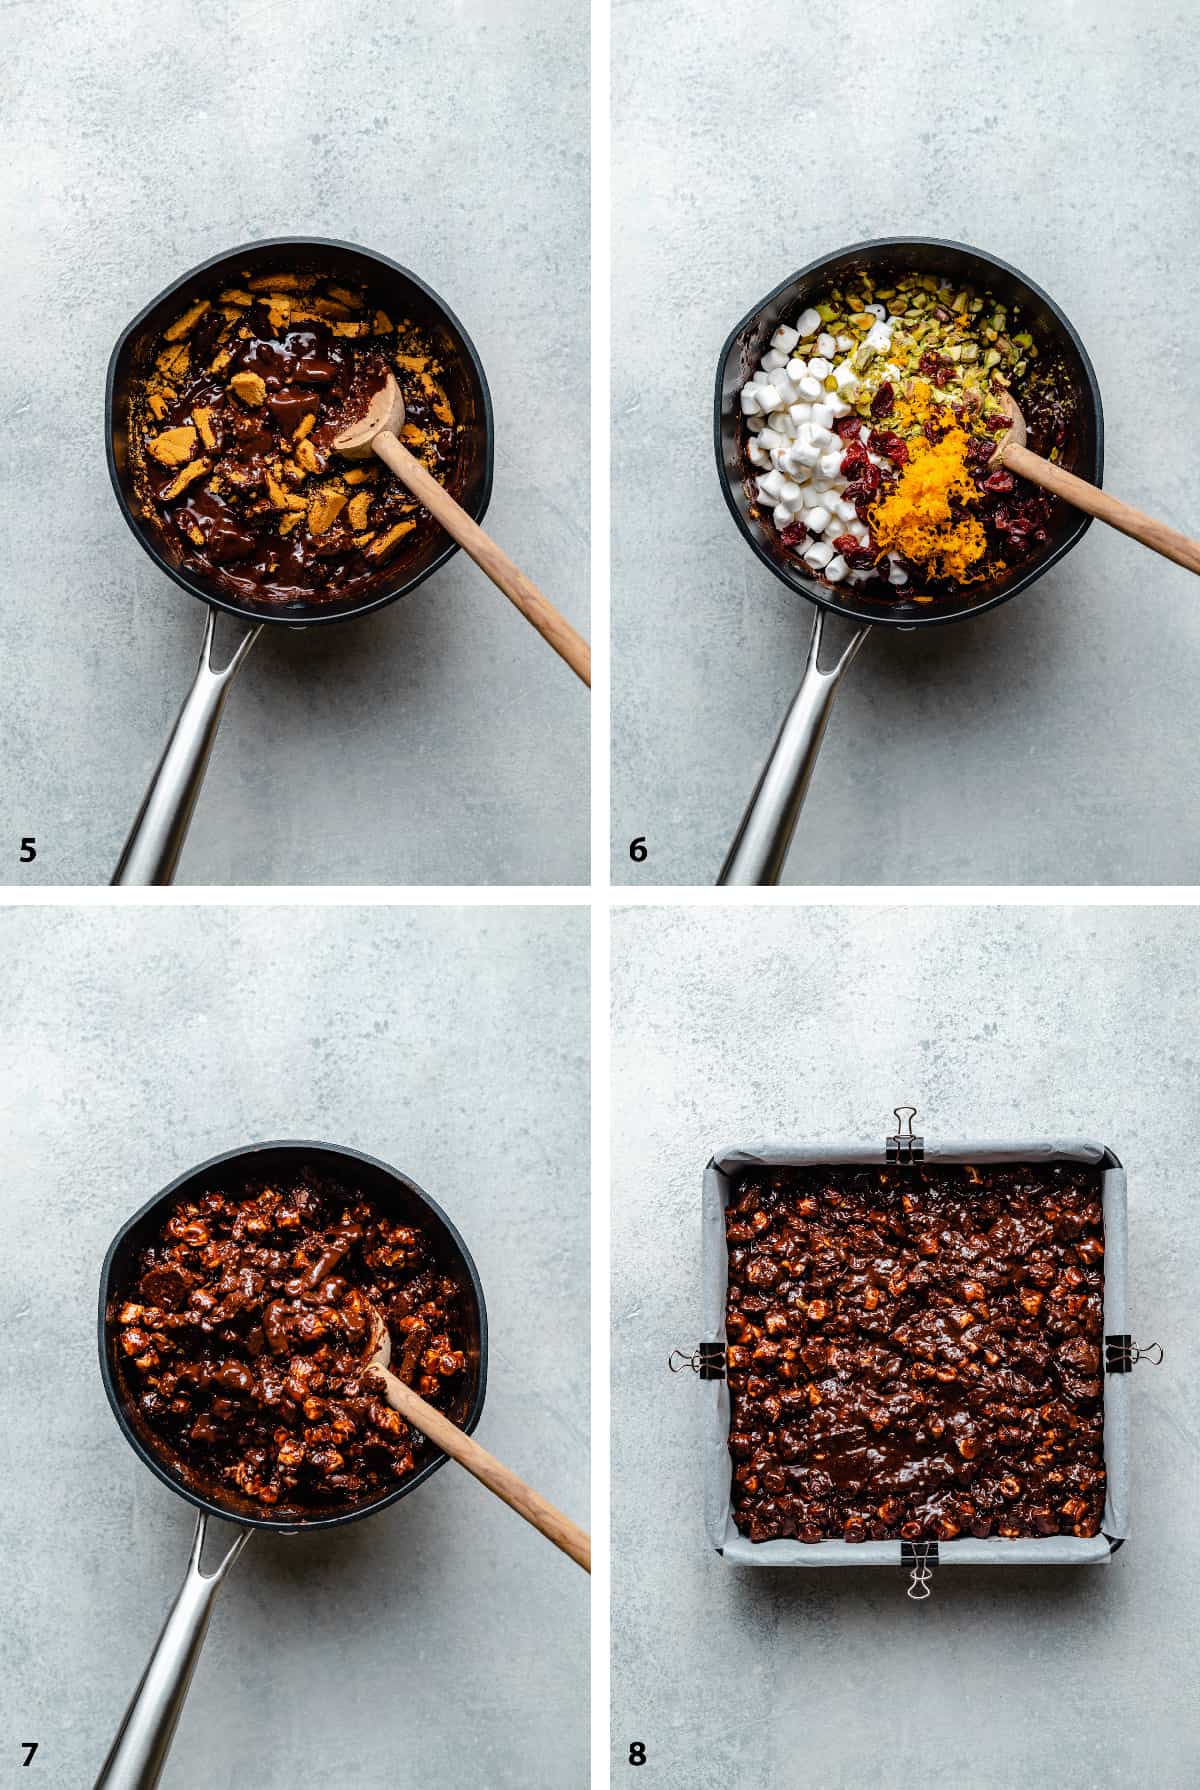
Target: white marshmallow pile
{"x":791,"y":405}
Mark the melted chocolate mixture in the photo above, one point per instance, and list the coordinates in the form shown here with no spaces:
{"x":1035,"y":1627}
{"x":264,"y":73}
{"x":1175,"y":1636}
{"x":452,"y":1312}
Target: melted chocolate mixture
{"x":916,"y":1353}
{"x":254,"y":517}
{"x":243,"y":1339}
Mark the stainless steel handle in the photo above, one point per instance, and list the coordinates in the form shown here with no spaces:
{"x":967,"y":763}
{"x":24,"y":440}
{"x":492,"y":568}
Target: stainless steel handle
{"x":156,"y":838}
{"x":144,"y":1738}
{"x":760,"y":849}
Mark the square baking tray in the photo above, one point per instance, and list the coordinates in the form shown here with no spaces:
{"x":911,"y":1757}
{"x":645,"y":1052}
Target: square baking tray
{"x":720,"y":1180}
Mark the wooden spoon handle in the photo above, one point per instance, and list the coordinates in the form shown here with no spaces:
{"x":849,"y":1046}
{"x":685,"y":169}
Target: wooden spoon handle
{"x":491,"y":559}
{"x":488,"y":1470}
{"x":1156,"y":535}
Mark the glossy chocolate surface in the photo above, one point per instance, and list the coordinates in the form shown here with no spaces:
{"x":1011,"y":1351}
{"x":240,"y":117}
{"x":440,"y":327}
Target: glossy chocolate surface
{"x":245,"y":488}
{"x":243,"y":1336}
{"x":916,"y":1353}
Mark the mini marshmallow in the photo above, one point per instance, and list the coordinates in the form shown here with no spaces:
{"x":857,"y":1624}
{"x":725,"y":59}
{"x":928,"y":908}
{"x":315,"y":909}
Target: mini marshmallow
{"x":770,"y":438}
{"x":800,"y":413}
{"x":819,"y":367}
{"x":769,"y":486}
{"x":897,"y":576}
{"x":822,"y":438}
{"x":846,"y":380}
{"x":844,"y":511}
{"x":845,"y":344}
{"x":803,"y":454}
{"x":838,"y":407}
{"x":860,"y":531}
{"x":879,"y":311}
{"x":782,"y":517}
{"x":768,"y":398}
{"x":786,"y":389}
{"x":813,"y":497}
{"x":836,"y":569}
{"x":817,"y":518}
{"x":757,"y":456}
{"x":818,"y":555}
{"x":754,"y":423}
{"x":826,"y":345}
{"x":773,"y":359}
{"x":878,"y":337}
{"x":749,"y":401}
{"x":808,"y":323}
{"x":831,"y":463}
{"x":789,"y":493}
{"x":822,"y":416}
{"x":785,"y":338}
{"x":810,"y":388}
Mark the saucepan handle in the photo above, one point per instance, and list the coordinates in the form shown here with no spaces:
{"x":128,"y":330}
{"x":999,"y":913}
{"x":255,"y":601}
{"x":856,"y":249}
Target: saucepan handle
{"x":759,"y":851}
{"x":152,"y":850}
{"x":139,"y":1752}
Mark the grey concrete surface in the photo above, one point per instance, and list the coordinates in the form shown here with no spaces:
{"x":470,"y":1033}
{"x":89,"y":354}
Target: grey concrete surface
{"x":440,"y":741}
{"x":442,"y":1642}
{"x":812,"y":1025}
{"x":1049,"y":742}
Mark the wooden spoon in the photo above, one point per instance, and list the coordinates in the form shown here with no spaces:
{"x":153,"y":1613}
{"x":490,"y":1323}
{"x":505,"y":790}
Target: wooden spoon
{"x":378,"y":432}
{"x":487,"y":1469}
{"x":1012,"y":453}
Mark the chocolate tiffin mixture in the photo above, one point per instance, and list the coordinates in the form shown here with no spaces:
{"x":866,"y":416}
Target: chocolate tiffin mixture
{"x":916,"y":1353}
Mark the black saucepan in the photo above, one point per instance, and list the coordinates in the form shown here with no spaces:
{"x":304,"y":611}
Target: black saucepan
{"x":144,"y":1738}
{"x":152,"y":850}
{"x":761,"y":846}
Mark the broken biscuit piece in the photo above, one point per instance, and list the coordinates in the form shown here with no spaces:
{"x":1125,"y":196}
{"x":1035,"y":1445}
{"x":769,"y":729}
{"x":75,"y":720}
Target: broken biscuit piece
{"x":305,"y":426}
{"x":386,"y":542}
{"x":250,"y":388}
{"x":357,"y":512}
{"x":182,"y":326}
{"x":202,"y":417}
{"x":324,"y":510}
{"x":306,"y":455}
{"x":188,"y":476}
{"x":383,"y":325}
{"x":174,"y":446}
{"x":280,"y":282}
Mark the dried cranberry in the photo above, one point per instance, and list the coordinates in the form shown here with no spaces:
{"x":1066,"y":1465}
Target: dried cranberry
{"x":855,"y":455}
{"x":793,"y":534}
{"x":886,"y":441}
{"x":996,"y":425}
{"x":979,"y":452}
{"x":848,"y":427}
{"x":929,"y":362}
{"x":1000,"y":482}
{"x":884,"y":400}
{"x":871,"y":477}
{"x":944,"y":374}
{"x":846,"y":545}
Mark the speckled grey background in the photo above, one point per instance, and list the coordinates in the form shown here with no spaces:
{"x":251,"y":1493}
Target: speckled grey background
{"x":440,"y":741}
{"x":812,"y":1025}
{"x":1051,"y":741}
{"x":442,"y":1642}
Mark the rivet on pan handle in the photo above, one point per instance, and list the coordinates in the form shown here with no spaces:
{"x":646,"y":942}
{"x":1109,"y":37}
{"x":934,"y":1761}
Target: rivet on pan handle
{"x":1122,"y":1354}
{"x":922,"y":1557}
{"x":905,"y":1146}
{"x":707,"y":1359}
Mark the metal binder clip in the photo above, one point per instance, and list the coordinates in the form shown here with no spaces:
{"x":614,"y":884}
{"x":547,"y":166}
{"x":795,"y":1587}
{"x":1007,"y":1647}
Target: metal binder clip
{"x":677,"y":1365}
{"x":1122,"y":1354}
{"x":905,"y":1146}
{"x":707,"y":1359}
{"x":922,"y":1556}
{"x":918,"y":1584}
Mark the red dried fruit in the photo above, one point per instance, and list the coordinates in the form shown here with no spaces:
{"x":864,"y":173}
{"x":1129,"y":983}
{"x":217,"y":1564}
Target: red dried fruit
{"x":1000,"y":482}
{"x":848,"y":427}
{"x":944,"y":374}
{"x":884,"y":400}
{"x":793,"y":534}
{"x":845,"y":545}
{"x":929,"y":362}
